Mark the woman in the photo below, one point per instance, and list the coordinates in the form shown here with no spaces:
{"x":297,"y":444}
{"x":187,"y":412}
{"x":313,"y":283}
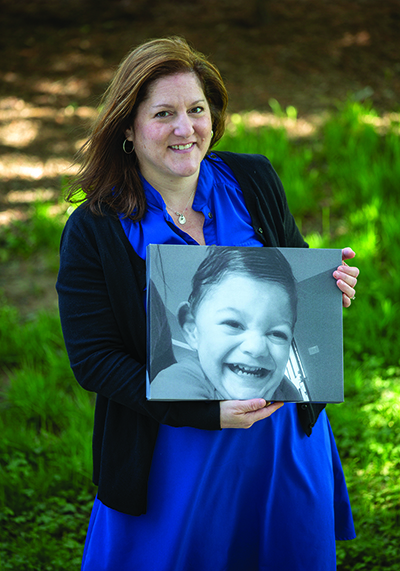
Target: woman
{"x":264,"y":498}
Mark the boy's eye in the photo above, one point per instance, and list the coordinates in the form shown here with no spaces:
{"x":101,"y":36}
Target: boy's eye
{"x":233,"y":324}
{"x":279,"y":337}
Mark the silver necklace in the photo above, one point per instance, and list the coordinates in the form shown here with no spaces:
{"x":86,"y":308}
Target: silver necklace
{"x":181,"y":216}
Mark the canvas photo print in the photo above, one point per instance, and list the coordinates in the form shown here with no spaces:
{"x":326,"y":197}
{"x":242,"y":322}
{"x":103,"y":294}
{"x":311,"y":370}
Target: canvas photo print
{"x":239,"y":323}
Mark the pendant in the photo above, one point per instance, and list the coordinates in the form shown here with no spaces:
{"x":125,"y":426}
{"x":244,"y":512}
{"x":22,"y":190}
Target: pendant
{"x":181,"y":219}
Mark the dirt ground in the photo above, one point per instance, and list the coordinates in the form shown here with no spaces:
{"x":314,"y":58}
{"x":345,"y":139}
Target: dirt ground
{"x":57,"y":57}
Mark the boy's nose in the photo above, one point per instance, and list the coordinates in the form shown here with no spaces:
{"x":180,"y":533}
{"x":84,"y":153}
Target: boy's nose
{"x":255,"y":345}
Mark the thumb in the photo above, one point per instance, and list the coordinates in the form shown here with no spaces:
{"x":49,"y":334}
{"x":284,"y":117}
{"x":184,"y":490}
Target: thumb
{"x":347,"y":254}
{"x":252,"y":405}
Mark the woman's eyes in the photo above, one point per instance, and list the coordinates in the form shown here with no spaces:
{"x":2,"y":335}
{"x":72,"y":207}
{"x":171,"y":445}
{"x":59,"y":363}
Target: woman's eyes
{"x":195,"y":111}
{"x":163,"y":114}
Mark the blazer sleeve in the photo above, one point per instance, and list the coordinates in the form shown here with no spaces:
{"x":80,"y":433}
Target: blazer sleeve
{"x":101,"y":288}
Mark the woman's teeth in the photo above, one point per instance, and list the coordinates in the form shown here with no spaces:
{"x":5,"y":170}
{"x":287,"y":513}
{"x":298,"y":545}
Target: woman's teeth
{"x":182,"y":147}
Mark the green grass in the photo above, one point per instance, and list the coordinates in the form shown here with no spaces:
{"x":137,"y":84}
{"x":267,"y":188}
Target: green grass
{"x":45,"y":449}
{"x":342,"y":185}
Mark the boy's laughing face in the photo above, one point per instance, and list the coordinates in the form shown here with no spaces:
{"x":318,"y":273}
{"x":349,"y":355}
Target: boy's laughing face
{"x":242,"y":332}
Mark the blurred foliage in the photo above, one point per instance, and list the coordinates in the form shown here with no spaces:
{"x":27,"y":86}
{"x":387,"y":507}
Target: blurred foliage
{"x":39,"y":230}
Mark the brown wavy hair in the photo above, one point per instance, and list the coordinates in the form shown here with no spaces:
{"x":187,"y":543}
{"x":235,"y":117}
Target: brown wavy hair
{"x":107,"y":175}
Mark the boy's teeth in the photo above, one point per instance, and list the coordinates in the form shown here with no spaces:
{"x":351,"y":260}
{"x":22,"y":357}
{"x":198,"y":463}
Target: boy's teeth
{"x":243,"y":370}
{"x":182,"y":147}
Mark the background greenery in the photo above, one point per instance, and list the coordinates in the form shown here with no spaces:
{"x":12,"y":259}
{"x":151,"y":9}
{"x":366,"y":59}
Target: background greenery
{"x":342,"y":186}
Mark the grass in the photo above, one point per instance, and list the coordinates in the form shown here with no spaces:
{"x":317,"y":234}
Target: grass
{"x":342,"y":185}
{"x":45,"y":458}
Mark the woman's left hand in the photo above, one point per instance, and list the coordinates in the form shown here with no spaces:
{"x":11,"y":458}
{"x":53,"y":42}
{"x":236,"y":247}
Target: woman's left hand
{"x":346,"y":277}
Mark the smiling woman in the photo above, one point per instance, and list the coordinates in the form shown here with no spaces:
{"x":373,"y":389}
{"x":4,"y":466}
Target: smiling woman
{"x":206,"y":497}
{"x":171,"y":134}
{"x":139,"y":103}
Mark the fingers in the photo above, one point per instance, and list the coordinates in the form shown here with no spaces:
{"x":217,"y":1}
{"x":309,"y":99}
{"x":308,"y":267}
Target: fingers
{"x":243,"y":414}
{"x":346,"y":283}
{"x":346,"y":277}
{"x":346,"y":300}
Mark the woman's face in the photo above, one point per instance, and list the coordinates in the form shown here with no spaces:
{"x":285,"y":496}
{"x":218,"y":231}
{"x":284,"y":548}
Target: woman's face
{"x":242,"y":331}
{"x":172,"y":130}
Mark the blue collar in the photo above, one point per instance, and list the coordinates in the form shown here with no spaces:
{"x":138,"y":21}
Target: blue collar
{"x":204,"y":188}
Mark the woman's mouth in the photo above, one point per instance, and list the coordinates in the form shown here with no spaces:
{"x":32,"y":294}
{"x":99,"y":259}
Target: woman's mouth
{"x":246,"y":371}
{"x":182,"y":147}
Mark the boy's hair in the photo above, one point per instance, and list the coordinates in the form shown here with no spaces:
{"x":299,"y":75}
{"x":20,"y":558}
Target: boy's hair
{"x":266,"y":264}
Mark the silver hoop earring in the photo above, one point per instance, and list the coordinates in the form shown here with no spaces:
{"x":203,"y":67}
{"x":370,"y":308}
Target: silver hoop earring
{"x":124,"y":147}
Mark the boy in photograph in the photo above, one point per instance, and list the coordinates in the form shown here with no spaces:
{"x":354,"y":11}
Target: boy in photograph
{"x":239,"y":321}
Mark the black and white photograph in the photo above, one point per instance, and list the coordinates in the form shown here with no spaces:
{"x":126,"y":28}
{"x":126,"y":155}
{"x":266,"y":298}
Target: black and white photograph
{"x":240,"y":323}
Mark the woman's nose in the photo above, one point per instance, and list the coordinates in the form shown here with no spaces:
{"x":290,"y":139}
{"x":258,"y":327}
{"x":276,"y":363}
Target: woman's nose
{"x":255,"y":345}
{"x":183,"y":126}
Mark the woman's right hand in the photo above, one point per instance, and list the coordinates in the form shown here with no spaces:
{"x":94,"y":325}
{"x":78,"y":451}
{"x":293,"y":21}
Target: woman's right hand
{"x":244,"y":413}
